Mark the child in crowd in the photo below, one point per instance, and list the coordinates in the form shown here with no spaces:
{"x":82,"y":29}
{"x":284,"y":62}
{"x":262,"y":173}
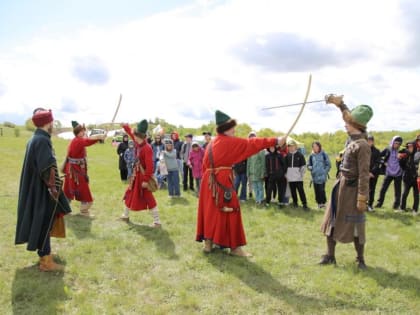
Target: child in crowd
{"x":162,"y":172}
{"x":319,"y":165}
{"x":195,"y":160}
{"x":276,"y":169}
{"x":295,"y":171}
{"x":239,"y":170}
{"x":409,"y":177}
{"x":129,"y":158}
{"x":169,"y":156}
{"x":256,"y":174}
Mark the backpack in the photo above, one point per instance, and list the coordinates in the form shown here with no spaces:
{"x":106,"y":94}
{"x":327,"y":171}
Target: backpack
{"x":324,"y":155}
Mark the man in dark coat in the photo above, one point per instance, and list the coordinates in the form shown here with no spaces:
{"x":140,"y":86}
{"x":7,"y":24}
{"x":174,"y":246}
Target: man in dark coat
{"x":374,"y":170}
{"x":41,"y":200}
{"x":344,"y":219}
{"x":122,"y":147}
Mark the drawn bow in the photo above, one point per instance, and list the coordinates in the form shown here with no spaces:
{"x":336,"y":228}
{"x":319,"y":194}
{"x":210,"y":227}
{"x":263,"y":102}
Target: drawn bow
{"x":302,"y":108}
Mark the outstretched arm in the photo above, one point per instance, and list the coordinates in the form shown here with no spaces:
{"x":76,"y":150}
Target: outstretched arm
{"x":337,"y":100}
{"x":127,"y":129}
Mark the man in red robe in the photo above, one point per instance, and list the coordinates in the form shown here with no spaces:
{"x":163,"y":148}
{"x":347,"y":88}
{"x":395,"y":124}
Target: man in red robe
{"x":76,"y":183}
{"x":137,"y":196}
{"x":219,"y":218}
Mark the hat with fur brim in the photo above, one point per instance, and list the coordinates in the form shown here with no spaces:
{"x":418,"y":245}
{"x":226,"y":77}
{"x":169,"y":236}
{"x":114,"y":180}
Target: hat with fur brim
{"x":41,"y":117}
{"x":141,"y":128}
{"x":224,"y":122}
{"x":359,"y":116}
{"x":77,"y":127}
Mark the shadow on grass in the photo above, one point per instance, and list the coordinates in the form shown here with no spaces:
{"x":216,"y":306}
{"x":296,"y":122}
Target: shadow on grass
{"x":394,"y":280}
{"x":163,"y":241}
{"x":390,"y":215}
{"x":178,"y":201}
{"x":298,"y":212}
{"x":80,"y":225}
{"x":35,"y":292}
{"x":263,"y":282}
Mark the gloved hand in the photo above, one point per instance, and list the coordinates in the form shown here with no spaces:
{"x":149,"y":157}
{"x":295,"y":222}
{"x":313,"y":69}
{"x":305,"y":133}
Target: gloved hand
{"x":361,"y":203}
{"x":49,"y":180}
{"x":337,"y":100}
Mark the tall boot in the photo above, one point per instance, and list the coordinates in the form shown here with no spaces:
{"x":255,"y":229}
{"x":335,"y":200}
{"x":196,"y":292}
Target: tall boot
{"x":329,"y":258}
{"x":360,"y":248}
{"x":84,"y":209}
{"x":208,"y":246}
{"x":126,"y":215}
{"x":156,"y":221}
{"x":46,"y":263}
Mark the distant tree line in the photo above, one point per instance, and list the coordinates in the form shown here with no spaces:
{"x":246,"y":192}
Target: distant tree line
{"x":332,"y":143}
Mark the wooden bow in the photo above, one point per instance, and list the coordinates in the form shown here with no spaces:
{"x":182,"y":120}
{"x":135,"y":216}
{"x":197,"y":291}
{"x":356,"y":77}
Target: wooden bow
{"x":116,"y":111}
{"x":301,"y":109}
{"x":115,"y":115}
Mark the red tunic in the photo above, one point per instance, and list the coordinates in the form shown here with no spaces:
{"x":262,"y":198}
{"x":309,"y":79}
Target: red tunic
{"x":224,"y":228}
{"x":138,"y":198}
{"x":76,"y":183}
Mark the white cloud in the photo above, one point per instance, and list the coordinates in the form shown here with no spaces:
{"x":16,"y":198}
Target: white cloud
{"x":183,"y":64}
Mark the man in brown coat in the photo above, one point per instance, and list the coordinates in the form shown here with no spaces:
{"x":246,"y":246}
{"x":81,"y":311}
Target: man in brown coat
{"x":344,"y":219}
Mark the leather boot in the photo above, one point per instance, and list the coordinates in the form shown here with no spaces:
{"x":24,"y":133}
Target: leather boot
{"x":360,"y":248}
{"x":238,"y":251}
{"x":329,"y":258}
{"x":208,"y":246}
{"x":84,"y":209}
{"x":46,"y":263}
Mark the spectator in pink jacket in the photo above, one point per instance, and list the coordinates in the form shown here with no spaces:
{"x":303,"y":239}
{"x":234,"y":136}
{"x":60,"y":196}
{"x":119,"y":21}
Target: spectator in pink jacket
{"x":195,"y":161}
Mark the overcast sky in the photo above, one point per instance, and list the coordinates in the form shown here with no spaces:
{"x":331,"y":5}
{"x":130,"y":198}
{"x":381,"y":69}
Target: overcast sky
{"x":182,"y":60}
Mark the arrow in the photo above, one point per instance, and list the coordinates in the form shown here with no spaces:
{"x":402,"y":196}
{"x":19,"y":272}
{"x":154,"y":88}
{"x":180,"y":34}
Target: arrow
{"x":289,"y":105}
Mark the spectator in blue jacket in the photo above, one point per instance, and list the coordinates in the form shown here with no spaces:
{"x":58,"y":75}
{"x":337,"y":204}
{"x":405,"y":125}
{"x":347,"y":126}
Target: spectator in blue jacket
{"x":319,"y":165}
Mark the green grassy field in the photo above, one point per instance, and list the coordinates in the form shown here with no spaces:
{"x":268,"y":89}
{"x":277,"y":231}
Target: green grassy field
{"x":118,"y":268}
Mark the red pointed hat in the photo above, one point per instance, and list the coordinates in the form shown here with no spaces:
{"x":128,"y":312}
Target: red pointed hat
{"x":41,"y":117}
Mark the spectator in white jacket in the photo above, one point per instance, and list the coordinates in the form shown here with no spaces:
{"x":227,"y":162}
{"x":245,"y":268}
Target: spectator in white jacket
{"x":296,"y":166}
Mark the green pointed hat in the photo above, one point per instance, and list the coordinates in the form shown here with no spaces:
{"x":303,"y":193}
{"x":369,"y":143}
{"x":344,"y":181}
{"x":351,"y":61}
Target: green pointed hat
{"x":77,"y":127}
{"x":142,"y":127}
{"x":224,"y":122}
{"x":360,"y":115}
{"x":221,"y":117}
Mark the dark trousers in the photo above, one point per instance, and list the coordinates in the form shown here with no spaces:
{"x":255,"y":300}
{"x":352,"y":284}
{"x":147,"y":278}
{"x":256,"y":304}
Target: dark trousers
{"x":299,"y":187}
{"x":275,"y":186}
{"x":123,"y":173}
{"x":47,"y":248}
{"x":372,"y":187}
{"x":397,"y":190}
{"x":266,"y":183}
{"x":320,"y":195}
{"x":407,"y":186}
{"x":188,"y":177}
{"x":240,"y":180}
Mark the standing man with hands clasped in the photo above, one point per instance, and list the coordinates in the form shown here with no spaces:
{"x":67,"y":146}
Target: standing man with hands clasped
{"x":344,"y":218}
{"x":41,"y":201}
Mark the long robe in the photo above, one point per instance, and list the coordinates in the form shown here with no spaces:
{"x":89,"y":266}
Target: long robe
{"x":35,"y":205}
{"x":136,"y":197}
{"x":76,"y":183}
{"x":224,"y":228}
{"x":341,"y":212}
